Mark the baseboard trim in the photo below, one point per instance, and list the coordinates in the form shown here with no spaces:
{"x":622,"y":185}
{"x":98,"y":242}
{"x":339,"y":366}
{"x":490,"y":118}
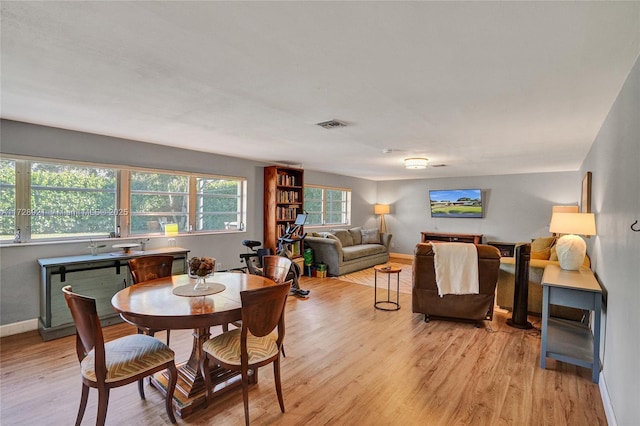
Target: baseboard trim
{"x":18,"y":327}
{"x":401,"y":256}
{"x":606,"y":401}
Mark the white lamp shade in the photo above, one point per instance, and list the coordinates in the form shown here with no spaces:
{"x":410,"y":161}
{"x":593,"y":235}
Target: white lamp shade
{"x":573,"y":223}
{"x":381,"y":209}
{"x":565,"y":209}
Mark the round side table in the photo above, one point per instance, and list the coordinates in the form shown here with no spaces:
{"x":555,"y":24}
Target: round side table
{"x":387,"y":305}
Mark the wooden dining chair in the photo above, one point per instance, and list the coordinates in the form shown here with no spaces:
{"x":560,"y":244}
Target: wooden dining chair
{"x":116,"y":363}
{"x":253,"y":345}
{"x":276,"y":267}
{"x":147,"y":268}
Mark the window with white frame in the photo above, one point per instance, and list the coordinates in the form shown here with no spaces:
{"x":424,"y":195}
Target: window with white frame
{"x":327,"y":206}
{"x":219,"y":204}
{"x":52,"y":201}
{"x":157,"y":200}
{"x":7,"y":199}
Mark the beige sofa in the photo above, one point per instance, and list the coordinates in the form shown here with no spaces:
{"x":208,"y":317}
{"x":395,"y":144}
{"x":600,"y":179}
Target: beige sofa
{"x":349,"y":250}
{"x":542,"y":254}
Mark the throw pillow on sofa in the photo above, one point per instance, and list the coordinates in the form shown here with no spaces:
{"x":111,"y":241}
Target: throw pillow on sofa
{"x":370,"y":236}
{"x":541,"y":247}
{"x":542,"y":243}
{"x":344,"y":236}
{"x":542,"y":254}
{"x":356,"y":235}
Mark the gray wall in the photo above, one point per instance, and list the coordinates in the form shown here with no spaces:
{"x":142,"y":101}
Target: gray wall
{"x":517,"y":207}
{"x":614,"y":160}
{"x":363,"y":196}
{"x":19,"y":273}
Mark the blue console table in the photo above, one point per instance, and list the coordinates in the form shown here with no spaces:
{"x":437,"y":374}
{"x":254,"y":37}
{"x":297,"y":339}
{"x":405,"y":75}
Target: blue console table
{"x":570,"y":341}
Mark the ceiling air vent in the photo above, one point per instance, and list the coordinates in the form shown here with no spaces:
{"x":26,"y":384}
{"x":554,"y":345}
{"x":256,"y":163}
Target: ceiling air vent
{"x":439,"y":165}
{"x":332,"y":124}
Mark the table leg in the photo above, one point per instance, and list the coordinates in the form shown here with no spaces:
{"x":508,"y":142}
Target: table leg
{"x":190,"y":390}
{"x":545,"y":325}
{"x":375,"y":288}
{"x":380,"y":304}
{"x":597,"y":318}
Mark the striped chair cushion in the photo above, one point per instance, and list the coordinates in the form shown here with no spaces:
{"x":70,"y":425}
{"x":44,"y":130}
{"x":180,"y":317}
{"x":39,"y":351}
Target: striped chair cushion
{"x":128,"y":356}
{"x":226,"y":347}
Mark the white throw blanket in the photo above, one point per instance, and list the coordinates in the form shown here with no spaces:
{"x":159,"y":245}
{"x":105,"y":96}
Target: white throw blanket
{"x":456,"y":267}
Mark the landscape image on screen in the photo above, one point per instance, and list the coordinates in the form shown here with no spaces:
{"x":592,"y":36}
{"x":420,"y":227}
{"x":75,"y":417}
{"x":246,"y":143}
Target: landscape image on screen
{"x":456,"y":203}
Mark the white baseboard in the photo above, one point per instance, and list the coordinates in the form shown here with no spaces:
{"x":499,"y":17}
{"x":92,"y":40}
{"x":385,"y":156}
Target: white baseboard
{"x":608,"y":408}
{"x":18,"y":327}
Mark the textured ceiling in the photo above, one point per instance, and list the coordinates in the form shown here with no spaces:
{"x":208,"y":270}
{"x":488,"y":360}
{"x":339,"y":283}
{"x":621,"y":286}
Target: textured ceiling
{"x":483,"y":87}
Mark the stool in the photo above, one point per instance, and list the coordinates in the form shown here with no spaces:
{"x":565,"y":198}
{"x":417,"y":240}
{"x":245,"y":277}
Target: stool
{"x":388,"y":270}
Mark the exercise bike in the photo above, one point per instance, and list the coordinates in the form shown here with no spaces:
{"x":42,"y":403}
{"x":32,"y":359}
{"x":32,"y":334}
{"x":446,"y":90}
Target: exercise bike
{"x":253,"y":257}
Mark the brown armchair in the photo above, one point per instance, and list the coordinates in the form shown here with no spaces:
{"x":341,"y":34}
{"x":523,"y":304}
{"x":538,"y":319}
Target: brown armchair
{"x":473,"y":307}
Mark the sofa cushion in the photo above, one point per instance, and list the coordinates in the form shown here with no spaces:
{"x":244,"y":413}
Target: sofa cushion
{"x":370,"y":236}
{"x":542,"y":243}
{"x":356,"y":235}
{"x":542,"y":254}
{"x":362,"y":250}
{"x":344,"y":236}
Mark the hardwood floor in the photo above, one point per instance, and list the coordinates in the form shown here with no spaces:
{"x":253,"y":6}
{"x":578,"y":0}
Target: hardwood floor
{"x":347,"y":364}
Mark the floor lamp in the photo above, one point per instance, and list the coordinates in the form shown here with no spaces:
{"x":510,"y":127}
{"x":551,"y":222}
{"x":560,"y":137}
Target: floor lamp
{"x":381,"y":209}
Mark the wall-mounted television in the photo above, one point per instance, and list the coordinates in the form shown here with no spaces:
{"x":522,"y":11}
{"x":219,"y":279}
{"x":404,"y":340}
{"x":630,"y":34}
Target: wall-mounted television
{"x":456,"y":203}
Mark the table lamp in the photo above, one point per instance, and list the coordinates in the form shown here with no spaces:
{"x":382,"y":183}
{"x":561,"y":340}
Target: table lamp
{"x":381,"y":209}
{"x":571,"y":248}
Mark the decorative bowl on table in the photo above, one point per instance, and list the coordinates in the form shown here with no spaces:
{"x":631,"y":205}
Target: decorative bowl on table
{"x":200,"y":268}
{"x":126,"y":247}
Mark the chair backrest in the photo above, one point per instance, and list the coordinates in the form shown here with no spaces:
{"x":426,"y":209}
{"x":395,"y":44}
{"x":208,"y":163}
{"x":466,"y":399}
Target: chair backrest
{"x":88,"y":328}
{"x":424,"y":275}
{"x":263,"y":309}
{"x":148,"y":268}
{"x":276,"y":267}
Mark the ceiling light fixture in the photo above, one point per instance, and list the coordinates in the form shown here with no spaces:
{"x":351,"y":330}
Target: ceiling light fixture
{"x":415,"y":163}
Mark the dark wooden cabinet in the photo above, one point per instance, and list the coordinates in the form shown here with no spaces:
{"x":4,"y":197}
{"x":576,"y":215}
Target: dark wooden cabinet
{"x":283,"y":201}
{"x":506,"y":249}
{"x":452,"y":238}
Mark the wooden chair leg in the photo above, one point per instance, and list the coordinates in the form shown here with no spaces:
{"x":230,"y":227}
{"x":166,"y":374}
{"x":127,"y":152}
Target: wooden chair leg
{"x":168,"y":336}
{"x":103,"y":402}
{"x":245,"y":396}
{"x":171,"y":387}
{"x":83,"y":404}
{"x":276,"y":375}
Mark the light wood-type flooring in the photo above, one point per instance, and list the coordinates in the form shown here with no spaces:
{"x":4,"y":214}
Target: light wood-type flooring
{"x":347,"y":364}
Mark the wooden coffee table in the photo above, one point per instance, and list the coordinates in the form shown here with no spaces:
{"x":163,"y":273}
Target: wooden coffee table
{"x":387,"y":305}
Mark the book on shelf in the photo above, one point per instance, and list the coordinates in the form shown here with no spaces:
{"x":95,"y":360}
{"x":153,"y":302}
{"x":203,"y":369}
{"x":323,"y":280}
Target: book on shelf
{"x":286,"y":180}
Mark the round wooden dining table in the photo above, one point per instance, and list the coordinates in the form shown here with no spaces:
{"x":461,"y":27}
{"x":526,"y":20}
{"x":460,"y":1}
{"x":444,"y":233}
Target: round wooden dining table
{"x":153,"y":305}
